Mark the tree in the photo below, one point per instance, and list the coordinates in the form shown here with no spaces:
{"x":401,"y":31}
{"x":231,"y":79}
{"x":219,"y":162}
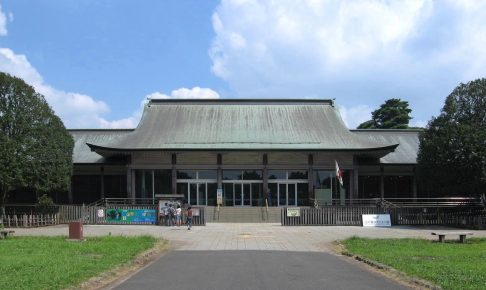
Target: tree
{"x":35,"y":147}
{"x":452,"y":150}
{"x":393,"y":114}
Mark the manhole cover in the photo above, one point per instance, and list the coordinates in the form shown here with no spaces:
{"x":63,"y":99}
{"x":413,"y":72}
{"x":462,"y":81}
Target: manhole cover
{"x":245,"y":235}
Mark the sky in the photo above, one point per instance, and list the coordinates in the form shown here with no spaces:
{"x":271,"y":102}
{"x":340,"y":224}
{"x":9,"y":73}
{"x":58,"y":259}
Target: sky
{"x":98,"y":61}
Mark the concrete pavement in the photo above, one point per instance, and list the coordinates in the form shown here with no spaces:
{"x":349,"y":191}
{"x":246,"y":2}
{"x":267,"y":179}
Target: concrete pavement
{"x":240,"y":236}
{"x":252,"y":256}
{"x":236,"y":270}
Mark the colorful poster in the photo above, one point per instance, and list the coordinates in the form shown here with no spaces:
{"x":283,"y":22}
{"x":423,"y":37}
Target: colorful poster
{"x":146,"y":216}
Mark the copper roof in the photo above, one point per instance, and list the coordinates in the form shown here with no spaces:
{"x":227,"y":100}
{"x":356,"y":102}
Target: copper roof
{"x":241,"y":125}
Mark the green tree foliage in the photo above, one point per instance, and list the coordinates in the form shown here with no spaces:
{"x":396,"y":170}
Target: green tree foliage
{"x":452,"y":151}
{"x":35,"y":147}
{"x":393,"y":114}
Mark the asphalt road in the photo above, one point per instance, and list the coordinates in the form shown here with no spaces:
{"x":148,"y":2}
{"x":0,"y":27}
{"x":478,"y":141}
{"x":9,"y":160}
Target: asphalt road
{"x":255,"y":270}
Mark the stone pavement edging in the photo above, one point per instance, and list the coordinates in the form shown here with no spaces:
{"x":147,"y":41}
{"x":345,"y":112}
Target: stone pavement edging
{"x":117,"y":275}
{"x":385,"y":269}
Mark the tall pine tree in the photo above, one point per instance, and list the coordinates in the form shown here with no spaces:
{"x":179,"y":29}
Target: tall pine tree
{"x":393,"y":114}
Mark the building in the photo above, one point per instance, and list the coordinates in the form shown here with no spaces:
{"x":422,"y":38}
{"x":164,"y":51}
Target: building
{"x":258,"y":152}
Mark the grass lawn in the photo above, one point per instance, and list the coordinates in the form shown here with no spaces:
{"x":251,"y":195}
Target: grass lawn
{"x":450,"y":265}
{"x":54,"y":263}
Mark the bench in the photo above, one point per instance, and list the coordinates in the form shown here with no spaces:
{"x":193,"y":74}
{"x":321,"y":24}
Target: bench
{"x":462,"y":235}
{"x":4,"y":234}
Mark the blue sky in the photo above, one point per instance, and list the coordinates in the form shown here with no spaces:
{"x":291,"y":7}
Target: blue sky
{"x":97,"y":61}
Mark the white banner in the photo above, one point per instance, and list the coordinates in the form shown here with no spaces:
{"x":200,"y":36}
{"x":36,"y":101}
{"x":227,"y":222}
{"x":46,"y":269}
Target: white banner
{"x":376,"y":220}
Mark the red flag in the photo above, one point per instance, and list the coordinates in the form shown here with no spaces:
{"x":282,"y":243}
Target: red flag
{"x":339,"y":174}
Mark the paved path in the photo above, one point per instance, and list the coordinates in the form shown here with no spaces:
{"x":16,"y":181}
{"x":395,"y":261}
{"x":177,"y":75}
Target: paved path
{"x":255,"y":270}
{"x":252,"y":256}
{"x":270,"y":237}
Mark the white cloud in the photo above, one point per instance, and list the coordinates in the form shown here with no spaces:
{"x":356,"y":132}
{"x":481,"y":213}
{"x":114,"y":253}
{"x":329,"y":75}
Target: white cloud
{"x":353,"y":116}
{"x":418,"y":123}
{"x":3,"y":22}
{"x":82,"y":111}
{"x":184,"y":93}
{"x":76,"y":110}
{"x":359,"y":52}
{"x":129,"y":122}
{"x":181,"y":93}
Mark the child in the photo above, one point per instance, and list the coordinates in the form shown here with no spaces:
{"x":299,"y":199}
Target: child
{"x":189,"y":218}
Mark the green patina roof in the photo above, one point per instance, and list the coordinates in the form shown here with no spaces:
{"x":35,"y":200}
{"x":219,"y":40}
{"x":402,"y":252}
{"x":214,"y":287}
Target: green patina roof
{"x":241,"y":125}
{"x":82,"y":153}
{"x":408,"y":139}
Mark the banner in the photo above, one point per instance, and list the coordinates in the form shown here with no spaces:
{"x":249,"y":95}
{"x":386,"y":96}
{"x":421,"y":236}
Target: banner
{"x":145,"y":216}
{"x":376,"y":220}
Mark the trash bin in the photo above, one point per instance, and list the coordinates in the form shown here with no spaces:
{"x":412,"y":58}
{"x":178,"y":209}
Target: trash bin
{"x":75,"y":230}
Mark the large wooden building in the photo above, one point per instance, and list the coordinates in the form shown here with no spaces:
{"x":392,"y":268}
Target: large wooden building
{"x":257,"y":152}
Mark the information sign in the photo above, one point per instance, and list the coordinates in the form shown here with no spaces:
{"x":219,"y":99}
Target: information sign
{"x":147,"y":216}
{"x":376,"y":220}
{"x":219,"y":196}
{"x":293,"y":211}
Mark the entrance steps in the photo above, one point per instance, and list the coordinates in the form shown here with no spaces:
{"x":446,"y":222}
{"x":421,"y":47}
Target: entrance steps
{"x":230,"y":214}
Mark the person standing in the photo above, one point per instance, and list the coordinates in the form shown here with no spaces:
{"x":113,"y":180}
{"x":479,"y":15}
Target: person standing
{"x":178,"y":215}
{"x":163,"y":214}
{"x":171,"y":216}
{"x":189,"y":218}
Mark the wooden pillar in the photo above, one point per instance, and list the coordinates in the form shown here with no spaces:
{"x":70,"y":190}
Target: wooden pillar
{"x":265,"y":177}
{"x":382,"y":182}
{"x":355,"y":181}
{"x":310,"y":179}
{"x":219,"y":162}
{"x":174,"y":173}
{"x":129,"y":182}
{"x":102,"y":174}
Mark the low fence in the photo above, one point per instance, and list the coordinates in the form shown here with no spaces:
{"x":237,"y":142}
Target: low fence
{"x":339,"y":216}
{"x":352,"y":216}
{"x":119,"y":214}
{"x":461,"y":217}
{"x":29,"y":220}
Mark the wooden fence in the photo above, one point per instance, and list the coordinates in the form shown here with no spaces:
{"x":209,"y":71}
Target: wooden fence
{"x":352,"y":216}
{"x":29,"y":220}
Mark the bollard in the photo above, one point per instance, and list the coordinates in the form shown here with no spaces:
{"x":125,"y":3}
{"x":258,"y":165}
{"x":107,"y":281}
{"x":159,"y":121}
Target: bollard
{"x":75,"y":230}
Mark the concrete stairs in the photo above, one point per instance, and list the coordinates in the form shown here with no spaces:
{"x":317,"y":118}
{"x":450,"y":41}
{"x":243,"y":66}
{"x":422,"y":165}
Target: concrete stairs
{"x":230,"y":214}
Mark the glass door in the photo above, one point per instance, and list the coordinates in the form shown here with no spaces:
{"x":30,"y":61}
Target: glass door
{"x":201,"y":195}
{"x":242,"y":194}
{"x":192,"y":194}
{"x":238,"y":193}
{"x":287,"y":194}
{"x":246,"y":194}
{"x":292,"y":194}
{"x":282,"y":194}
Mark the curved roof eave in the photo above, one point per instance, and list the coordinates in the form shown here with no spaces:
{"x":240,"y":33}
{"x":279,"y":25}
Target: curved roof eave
{"x":374,"y":151}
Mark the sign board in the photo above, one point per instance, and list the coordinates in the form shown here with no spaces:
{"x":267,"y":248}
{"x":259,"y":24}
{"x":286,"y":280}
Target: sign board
{"x":293,"y":211}
{"x":376,"y":220}
{"x":100,"y":213}
{"x":163,"y":207}
{"x":195,"y":212}
{"x":219,"y":196}
{"x":147,"y":216}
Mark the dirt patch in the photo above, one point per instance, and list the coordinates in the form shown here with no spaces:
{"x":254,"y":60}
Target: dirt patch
{"x":119,"y":273}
